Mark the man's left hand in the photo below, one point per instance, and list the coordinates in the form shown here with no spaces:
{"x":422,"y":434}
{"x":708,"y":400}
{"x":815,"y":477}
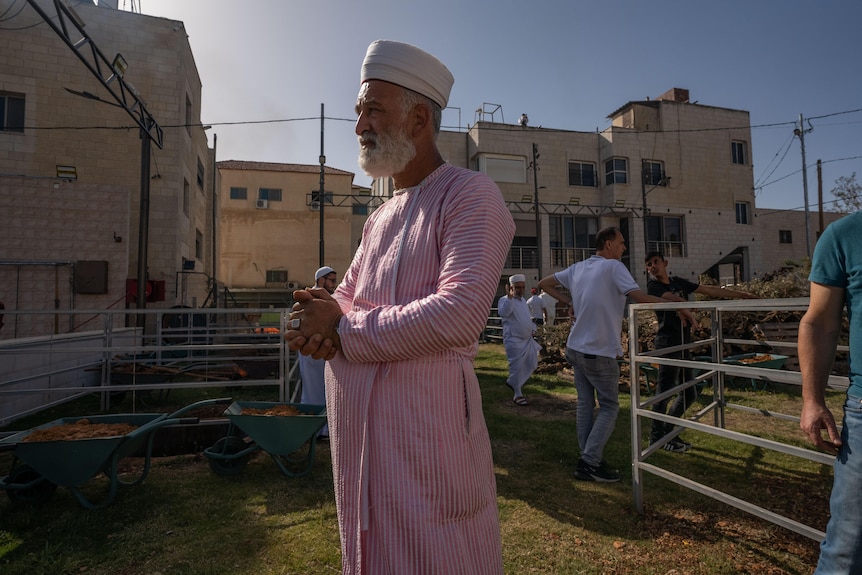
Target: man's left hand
{"x":311,"y":328}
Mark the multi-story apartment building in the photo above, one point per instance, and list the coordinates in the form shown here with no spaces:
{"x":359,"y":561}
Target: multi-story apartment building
{"x":270,"y":232}
{"x":73,"y":166}
{"x":673,"y":175}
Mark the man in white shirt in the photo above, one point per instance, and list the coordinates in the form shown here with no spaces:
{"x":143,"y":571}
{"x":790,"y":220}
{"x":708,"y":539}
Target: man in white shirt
{"x":537,"y":308}
{"x":599,"y":287}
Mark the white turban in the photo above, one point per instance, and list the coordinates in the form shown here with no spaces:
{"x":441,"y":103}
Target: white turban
{"x":324,"y":271}
{"x":517,"y":278}
{"x":408,"y":67}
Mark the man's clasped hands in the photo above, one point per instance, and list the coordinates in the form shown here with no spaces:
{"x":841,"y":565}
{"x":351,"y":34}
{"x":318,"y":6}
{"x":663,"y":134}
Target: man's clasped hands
{"x":316,"y":331}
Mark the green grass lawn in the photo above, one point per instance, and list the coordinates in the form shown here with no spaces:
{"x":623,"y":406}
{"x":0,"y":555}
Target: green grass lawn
{"x":184,"y":519}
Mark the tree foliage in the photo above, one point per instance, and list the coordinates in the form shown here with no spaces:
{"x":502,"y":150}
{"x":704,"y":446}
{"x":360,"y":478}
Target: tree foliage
{"x":848,"y":194}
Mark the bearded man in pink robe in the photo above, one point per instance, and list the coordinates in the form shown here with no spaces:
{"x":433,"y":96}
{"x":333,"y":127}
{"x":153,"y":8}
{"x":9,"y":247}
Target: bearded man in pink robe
{"x":414,"y":480}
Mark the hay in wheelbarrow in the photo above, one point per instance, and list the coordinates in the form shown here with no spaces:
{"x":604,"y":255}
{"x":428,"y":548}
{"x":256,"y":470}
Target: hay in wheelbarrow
{"x":68,"y":461}
{"x":763,"y":360}
{"x":286,"y":431}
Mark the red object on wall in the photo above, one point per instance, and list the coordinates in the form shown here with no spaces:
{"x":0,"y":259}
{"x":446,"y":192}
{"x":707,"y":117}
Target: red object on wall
{"x":155,"y":290}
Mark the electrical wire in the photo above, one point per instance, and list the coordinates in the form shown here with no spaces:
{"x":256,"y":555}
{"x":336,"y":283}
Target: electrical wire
{"x":786,"y":147}
{"x":799,"y":171}
{"x":12,"y":17}
{"x":501,"y":128}
{"x":15,"y":15}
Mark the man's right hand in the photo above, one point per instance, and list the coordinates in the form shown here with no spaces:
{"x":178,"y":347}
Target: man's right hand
{"x":814,"y":419}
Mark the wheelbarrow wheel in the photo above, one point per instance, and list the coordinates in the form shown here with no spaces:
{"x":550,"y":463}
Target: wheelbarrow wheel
{"x":34,"y":495}
{"x":225,"y":459}
{"x":153,"y":397}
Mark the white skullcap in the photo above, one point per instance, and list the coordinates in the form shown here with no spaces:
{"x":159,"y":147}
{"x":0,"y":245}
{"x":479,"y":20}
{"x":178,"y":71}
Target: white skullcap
{"x":408,"y":67}
{"x":517,"y":278}
{"x":324,"y":271}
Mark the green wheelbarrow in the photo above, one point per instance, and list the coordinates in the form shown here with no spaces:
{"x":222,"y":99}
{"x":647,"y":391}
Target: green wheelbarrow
{"x":39,"y":467}
{"x":768,"y":361}
{"x":289,"y":439}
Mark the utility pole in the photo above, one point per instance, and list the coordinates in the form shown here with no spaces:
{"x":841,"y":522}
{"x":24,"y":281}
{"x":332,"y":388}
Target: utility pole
{"x":644,"y":207}
{"x":820,"y":196}
{"x":800,"y":133}
{"x":536,"y":208}
{"x":214,"y":223}
{"x":321,"y":196}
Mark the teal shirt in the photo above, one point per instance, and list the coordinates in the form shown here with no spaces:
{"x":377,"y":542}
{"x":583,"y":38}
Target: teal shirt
{"x":837,"y":262}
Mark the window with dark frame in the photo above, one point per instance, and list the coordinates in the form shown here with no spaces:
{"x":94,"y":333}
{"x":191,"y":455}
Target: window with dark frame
{"x":360,"y":209}
{"x":742,"y":213}
{"x":201,"y":175}
{"x":653,"y":173}
{"x":582,"y":174}
{"x":666,"y":234}
{"x":315,"y":198}
{"x":271,"y":194}
{"x":276,"y":276}
{"x":11,"y":112}
{"x":238,"y":193}
{"x":199,"y":245}
{"x":785,"y":237}
{"x":186,"y":198}
{"x":737,"y":152}
{"x":616,"y":171}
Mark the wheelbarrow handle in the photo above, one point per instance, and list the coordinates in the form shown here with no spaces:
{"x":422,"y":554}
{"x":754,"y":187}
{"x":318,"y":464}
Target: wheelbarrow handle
{"x":217,"y":401}
{"x":187,"y":421}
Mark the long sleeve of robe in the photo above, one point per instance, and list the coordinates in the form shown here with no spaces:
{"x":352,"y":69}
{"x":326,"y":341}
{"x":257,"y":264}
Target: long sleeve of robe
{"x":414,"y":479}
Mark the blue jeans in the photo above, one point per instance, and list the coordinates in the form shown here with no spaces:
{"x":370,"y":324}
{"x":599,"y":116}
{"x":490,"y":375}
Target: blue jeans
{"x":841,"y":551}
{"x":596,"y":377}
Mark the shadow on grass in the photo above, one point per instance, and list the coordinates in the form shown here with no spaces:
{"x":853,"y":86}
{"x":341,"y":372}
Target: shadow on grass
{"x":536,"y":449}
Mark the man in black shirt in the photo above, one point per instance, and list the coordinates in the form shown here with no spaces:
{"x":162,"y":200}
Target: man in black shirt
{"x":672,"y":331}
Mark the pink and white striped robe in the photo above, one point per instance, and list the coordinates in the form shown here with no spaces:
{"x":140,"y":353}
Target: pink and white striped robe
{"x":414,"y":479}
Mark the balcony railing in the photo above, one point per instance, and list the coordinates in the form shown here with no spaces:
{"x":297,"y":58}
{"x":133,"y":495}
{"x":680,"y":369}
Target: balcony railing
{"x":564,"y":257}
{"x":668,"y":249}
{"x":522,"y":257}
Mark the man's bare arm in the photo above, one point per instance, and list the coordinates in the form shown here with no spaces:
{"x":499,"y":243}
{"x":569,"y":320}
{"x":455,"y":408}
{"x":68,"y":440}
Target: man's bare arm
{"x":819,"y":329}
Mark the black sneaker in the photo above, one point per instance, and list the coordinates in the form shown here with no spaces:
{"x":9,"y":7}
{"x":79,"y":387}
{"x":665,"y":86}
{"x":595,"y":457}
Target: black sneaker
{"x":600,"y":474}
{"x":676,"y":446}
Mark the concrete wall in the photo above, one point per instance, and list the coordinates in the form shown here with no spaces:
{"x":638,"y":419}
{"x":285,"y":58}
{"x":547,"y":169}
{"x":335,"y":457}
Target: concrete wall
{"x":51,"y":219}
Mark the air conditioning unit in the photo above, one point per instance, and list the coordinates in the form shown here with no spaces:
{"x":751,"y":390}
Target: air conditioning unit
{"x":262,"y":204}
{"x":315,"y":206}
{"x":291,"y":285}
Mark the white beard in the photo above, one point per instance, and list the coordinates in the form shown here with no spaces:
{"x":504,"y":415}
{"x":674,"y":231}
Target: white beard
{"x":390,"y":154}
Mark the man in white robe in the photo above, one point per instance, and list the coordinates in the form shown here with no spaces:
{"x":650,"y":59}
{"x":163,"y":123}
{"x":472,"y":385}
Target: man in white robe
{"x":522,"y":351}
{"x":414,"y":478}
